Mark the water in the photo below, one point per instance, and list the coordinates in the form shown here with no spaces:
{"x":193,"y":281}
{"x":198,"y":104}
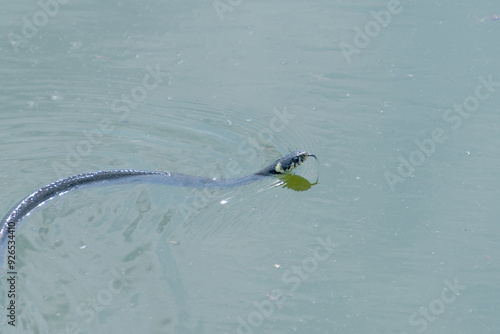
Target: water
{"x":223,"y":89}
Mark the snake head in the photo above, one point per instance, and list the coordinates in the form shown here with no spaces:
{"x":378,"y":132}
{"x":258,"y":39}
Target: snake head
{"x":287,"y":163}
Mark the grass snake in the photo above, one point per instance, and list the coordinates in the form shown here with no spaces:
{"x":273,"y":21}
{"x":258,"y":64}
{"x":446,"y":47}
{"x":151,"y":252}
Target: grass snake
{"x":11,"y":221}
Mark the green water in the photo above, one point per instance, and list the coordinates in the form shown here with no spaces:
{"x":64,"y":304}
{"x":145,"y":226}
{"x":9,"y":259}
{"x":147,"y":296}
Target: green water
{"x":399,"y":101}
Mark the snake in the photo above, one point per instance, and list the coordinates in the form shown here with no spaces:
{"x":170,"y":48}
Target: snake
{"x":12,"y":220}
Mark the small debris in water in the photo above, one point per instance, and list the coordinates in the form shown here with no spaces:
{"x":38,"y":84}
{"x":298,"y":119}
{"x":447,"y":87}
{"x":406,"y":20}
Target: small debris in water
{"x":276,"y":296}
{"x":56,"y":96}
{"x":493,"y":17}
{"x":31,"y":104}
{"x":75,"y":45}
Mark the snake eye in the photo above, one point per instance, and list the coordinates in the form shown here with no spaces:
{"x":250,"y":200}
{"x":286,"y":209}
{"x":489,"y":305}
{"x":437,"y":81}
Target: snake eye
{"x":295,"y":160}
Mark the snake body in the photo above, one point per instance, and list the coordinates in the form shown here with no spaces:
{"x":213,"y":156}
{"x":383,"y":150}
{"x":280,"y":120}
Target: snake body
{"x":12,"y":220}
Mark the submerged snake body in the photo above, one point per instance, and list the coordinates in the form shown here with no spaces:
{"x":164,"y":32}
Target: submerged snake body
{"x":12,"y":220}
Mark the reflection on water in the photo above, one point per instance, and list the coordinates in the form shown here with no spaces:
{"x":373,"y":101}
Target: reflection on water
{"x":296,"y":182}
